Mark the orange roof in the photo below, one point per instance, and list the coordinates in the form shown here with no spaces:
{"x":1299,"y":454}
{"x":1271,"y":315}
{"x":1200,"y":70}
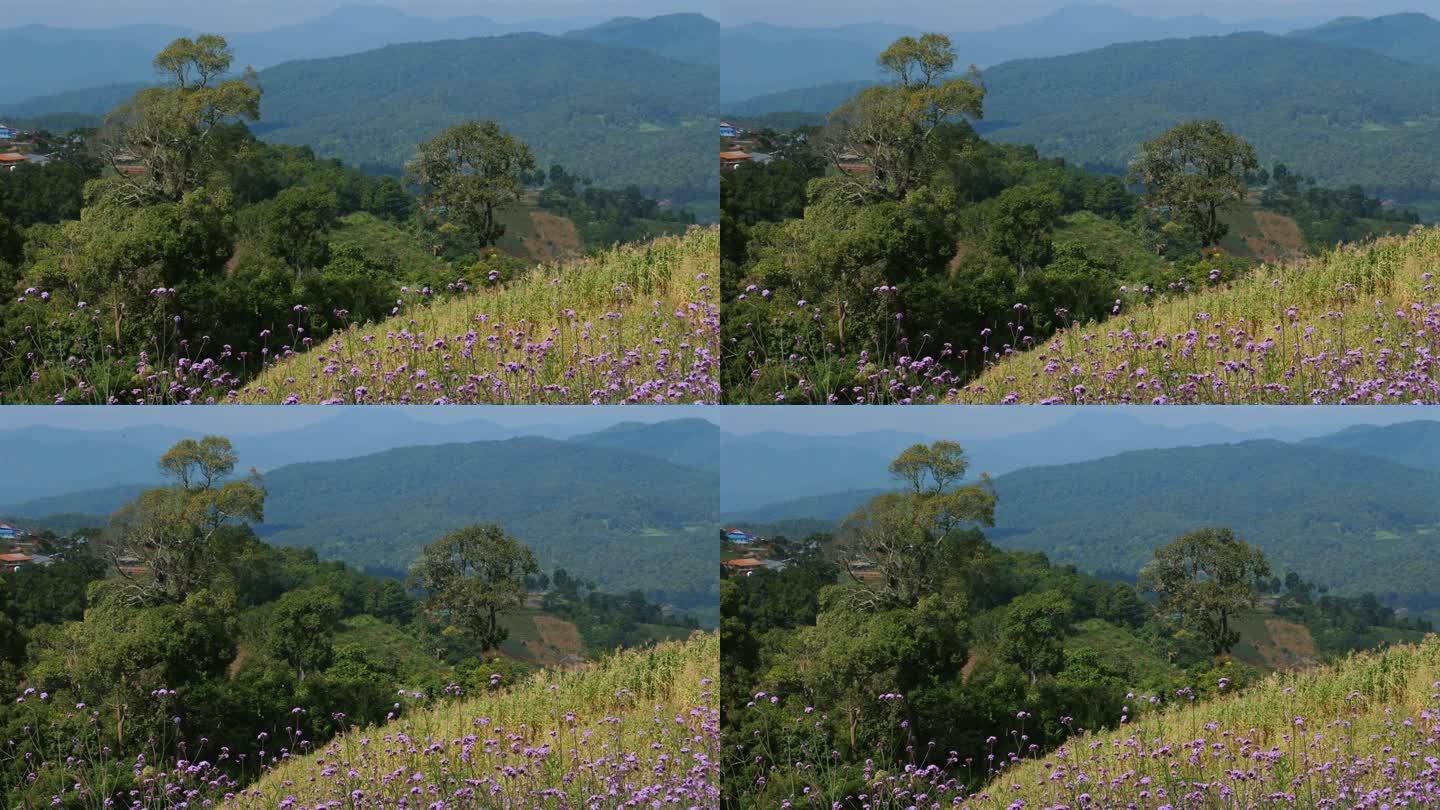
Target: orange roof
{"x":743,"y":563}
{"x":11,"y":157}
{"x":134,"y":570}
{"x":734,"y":156}
{"x":15,"y":558}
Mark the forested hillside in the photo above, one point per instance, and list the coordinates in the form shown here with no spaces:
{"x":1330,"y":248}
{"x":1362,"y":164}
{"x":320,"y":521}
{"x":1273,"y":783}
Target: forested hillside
{"x":630,"y":521}
{"x":626,"y":517}
{"x":1360,"y":514}
{"x":174,"y":632}
{"x":856,"y":272}
{"x":761,"y":58}
{"x":65,"y":59}
{"x":1351,"y":522}
{"x":682,"y":37}
{"x":1408,"y":37}
{"x":619,"y":116}
{"x":176,"y":268}
{"x":1340,"y":115}
{"x":909,"y":629}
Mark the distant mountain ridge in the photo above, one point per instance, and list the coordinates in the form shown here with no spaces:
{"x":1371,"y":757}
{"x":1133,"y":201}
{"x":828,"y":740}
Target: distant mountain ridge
{"x":64,"y":466}
{"x":618,"y":115}
{"x":1359,"y":513}
{"x":1408,"y":37}
{"x":684,"y":37}
{"x":1322,"y":104}
{"x":762,"y":468}
{"x":625,"y":518}
{"x":761,"y":59}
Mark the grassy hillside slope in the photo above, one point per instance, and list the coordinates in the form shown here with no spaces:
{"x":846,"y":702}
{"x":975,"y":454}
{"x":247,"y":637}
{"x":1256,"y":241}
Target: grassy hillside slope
{"x":634,"y":324}
{"x":1361,"y":733}
{"x":1358,"y":324}
{"x":640,"y":726}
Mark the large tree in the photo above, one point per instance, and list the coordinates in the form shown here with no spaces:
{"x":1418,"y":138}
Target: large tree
{"x":1196,"y":170}
{"x":170,"y":140}
{"x":882,"y":139}
{"x":1207,"y":577}
{"x":892,"y":547}
{"x":474,"y":170}
{"x":297,"y":225}
{"x":302,"y":629}
{"x":475,"y":574}
{"x":1032,"y":634}
{"x":171,"y":542}
{"x":1021,"y":227}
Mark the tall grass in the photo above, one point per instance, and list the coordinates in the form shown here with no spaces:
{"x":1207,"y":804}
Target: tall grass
{"x":1358,"y":324}
{"x":640,"y":728}
{"x":635,"y":324}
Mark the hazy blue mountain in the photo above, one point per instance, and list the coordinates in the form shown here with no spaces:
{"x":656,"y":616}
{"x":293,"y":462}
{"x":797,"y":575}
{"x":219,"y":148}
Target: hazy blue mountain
{"x":628,"y":520}
{"x":816,"y":100}
{"x":1346,"y":518}
{"x":1408,"y":37}
{"x":97,"y":503}
{"x":691,"y":443}
{"x":1414,"y":444}
{"x":682,"y":37}
{"x":45,"y":60}
{"x":36,"y":69}
{"x":62,"y":462}
{"x":761,"y":60}
{"x":92,"y":471}
{"x":768,"y":468}
{"x":1353,"y":522}
{"x":830,"y":508}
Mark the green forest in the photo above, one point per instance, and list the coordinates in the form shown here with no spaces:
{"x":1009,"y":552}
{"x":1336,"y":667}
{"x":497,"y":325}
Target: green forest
{"x":908,"y":643}
{"x":894,"y":253}
{"x":170,"y":253}
{"x":174,"y":633}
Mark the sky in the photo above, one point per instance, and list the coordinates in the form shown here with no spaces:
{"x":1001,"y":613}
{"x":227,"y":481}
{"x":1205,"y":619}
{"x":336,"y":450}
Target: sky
{"x":273,"y":418}
{"x":256,"y":15}
{"x":980,"y":15}
{"x":983,"y":422}
{"x":950,"y":15}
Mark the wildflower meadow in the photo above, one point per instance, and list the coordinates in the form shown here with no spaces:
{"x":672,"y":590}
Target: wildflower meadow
{"x":637,"y":729}
{"x":1362,"y":733}
{"x":637,"y":324}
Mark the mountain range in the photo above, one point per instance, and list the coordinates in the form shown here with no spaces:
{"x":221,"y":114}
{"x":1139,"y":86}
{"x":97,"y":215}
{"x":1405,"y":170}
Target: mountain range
{"x":1351,"y":102}
{"x":757,"y":466}
{"x":63,"y":467}
{"x":56,"y":60}
{"x":760,"y":59}
{"x":630,"y":506}
{"x":1353,"y":510}
{"x":608,"y":102}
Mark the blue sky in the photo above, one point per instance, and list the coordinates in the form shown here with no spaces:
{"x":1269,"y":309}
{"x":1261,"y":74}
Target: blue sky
{"x":950,"y":15}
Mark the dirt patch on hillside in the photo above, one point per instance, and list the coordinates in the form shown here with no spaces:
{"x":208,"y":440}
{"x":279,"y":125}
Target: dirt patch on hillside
{"x":1287,"y":646}
{"x":554,"y":238}
{"x":1279,"y":239}
{"x":559,"y":643}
